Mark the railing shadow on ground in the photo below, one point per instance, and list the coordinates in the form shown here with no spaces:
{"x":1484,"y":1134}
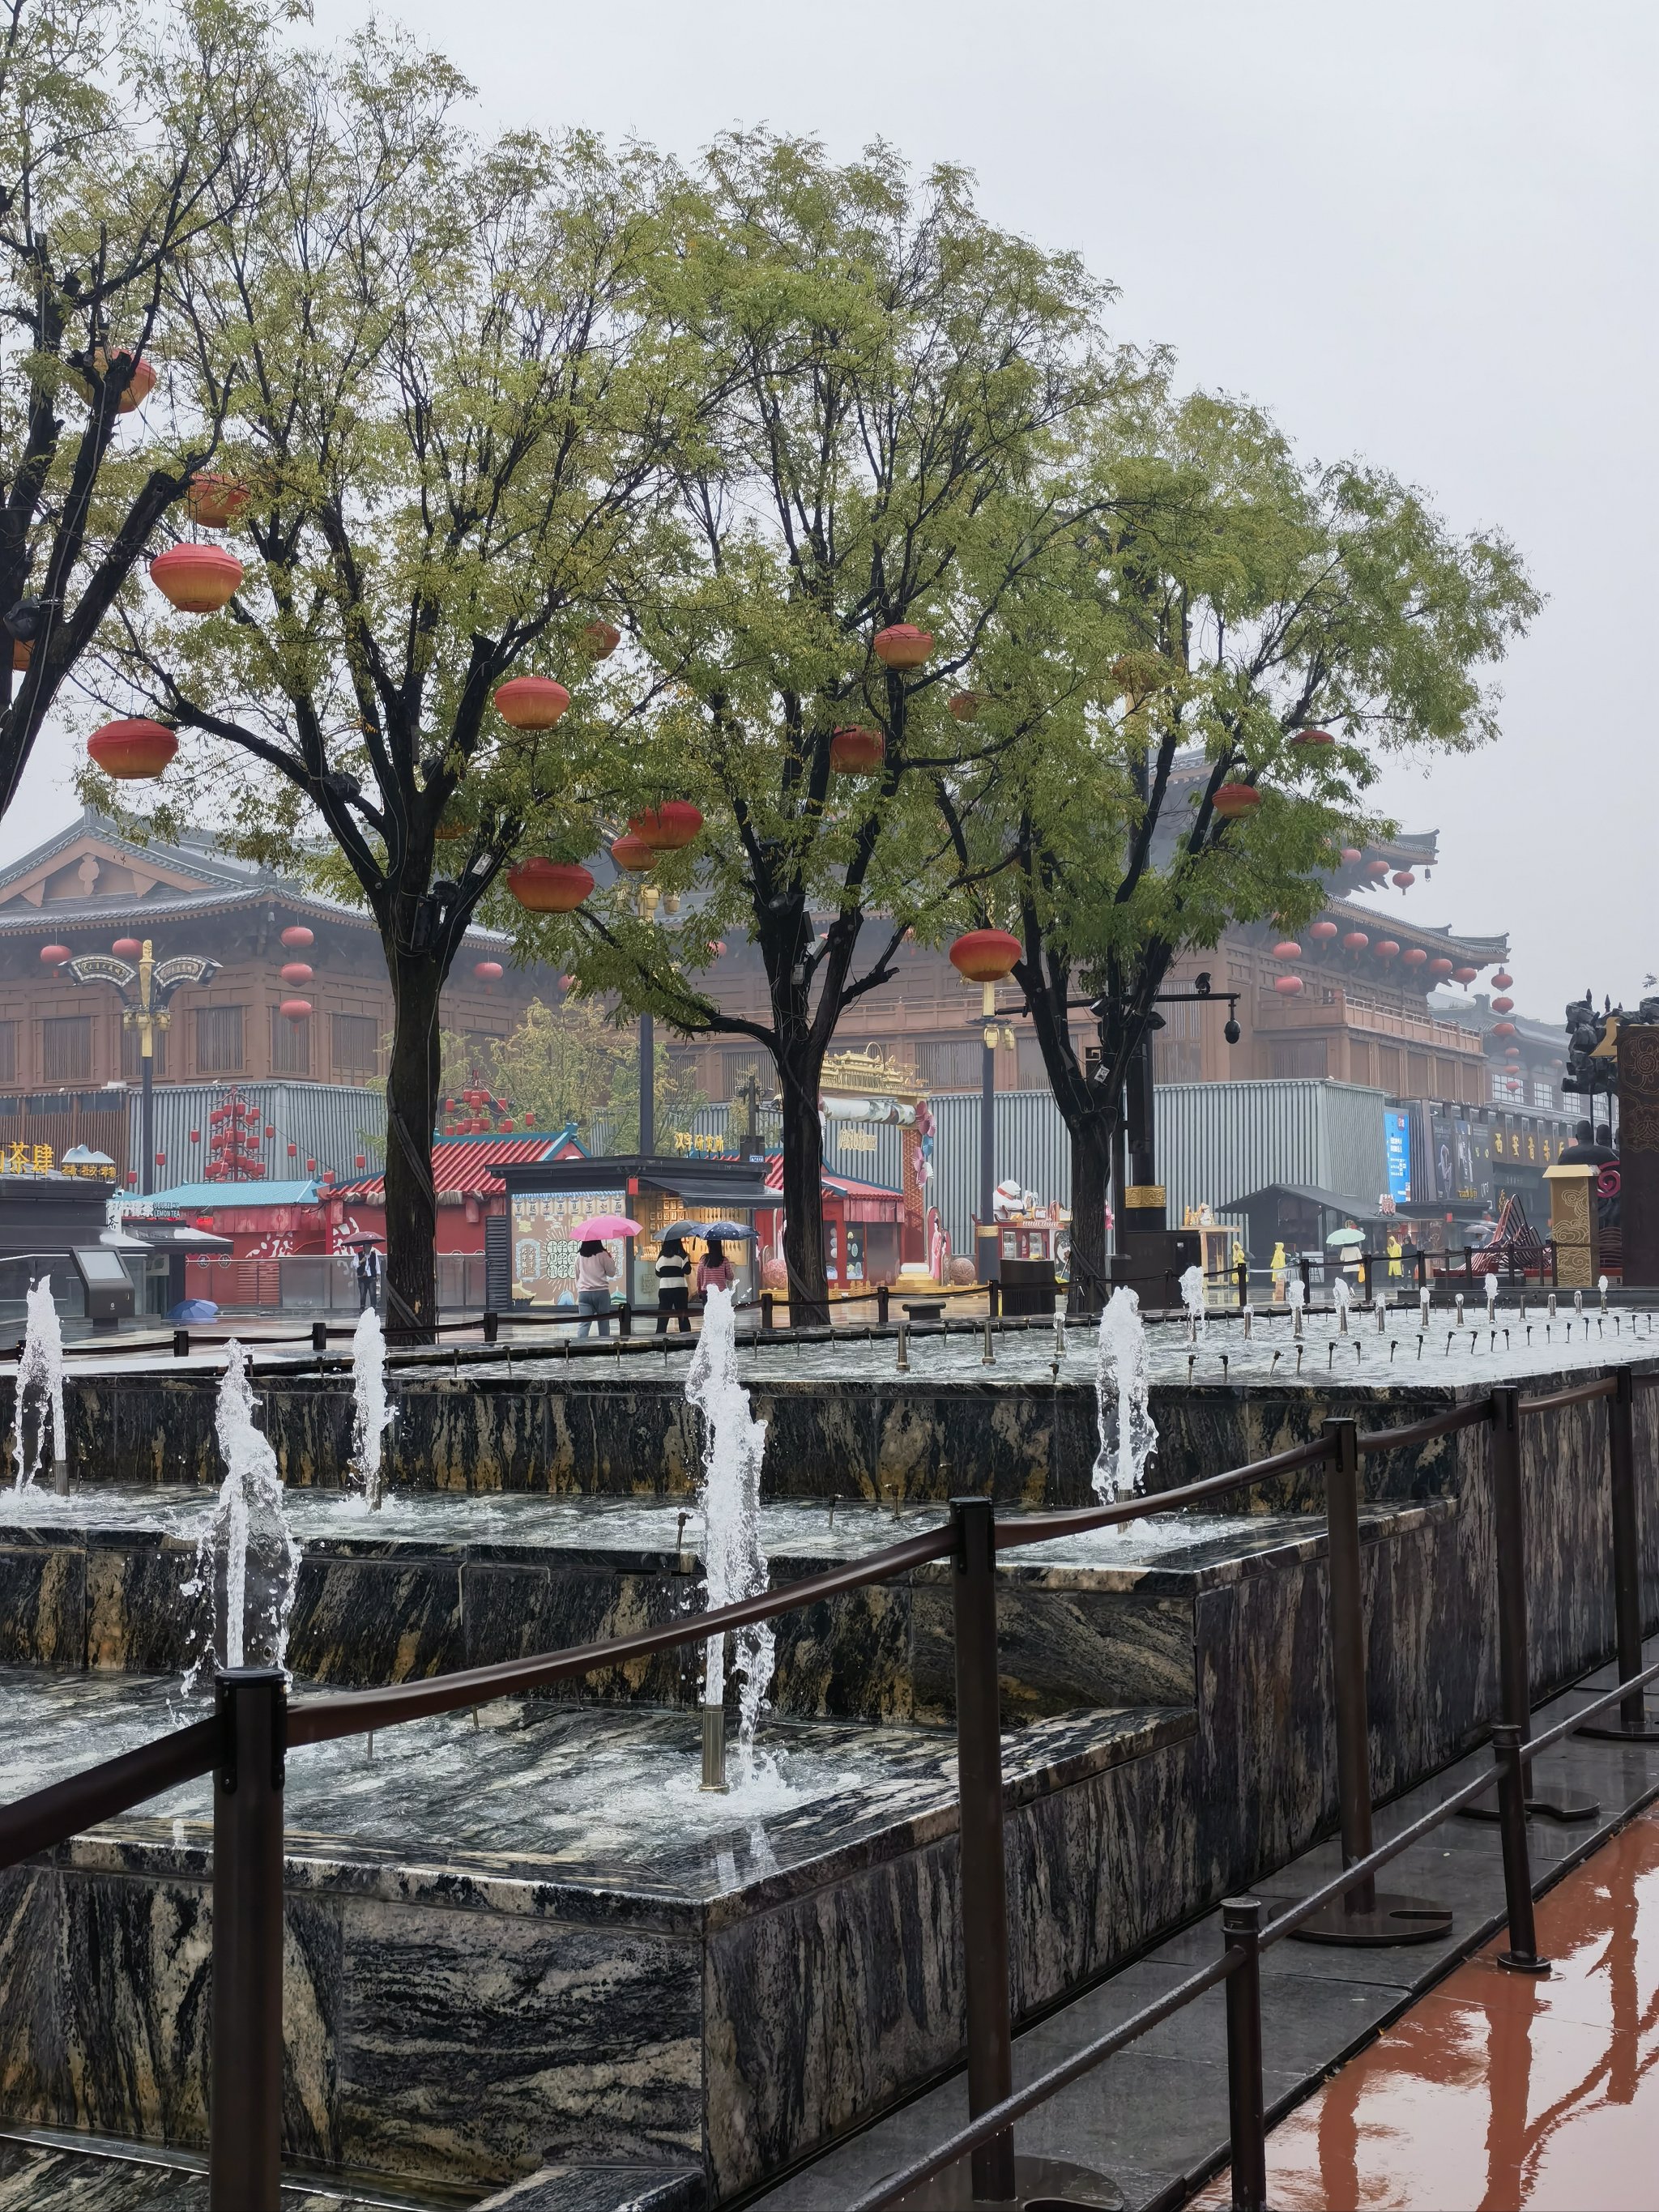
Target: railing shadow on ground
{"x":244,"y":1746}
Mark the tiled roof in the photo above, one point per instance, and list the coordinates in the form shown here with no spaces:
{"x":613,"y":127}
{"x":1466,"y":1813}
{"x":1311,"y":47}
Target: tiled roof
{"x":463,"y":1166}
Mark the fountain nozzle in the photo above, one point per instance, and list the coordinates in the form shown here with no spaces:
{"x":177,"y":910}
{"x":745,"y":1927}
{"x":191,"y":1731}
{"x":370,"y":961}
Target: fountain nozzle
{"x":714,"y":1749}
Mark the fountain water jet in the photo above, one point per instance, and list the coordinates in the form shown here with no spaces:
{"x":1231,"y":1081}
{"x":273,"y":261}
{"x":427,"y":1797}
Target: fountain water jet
{"x":1192,"y":1296}
{"x":248,"y":1559}
{"x":1127,"y":1435}
{"x":40,"y":1369}
{"x":735,"y":1566}
{"x":372,"y":1416}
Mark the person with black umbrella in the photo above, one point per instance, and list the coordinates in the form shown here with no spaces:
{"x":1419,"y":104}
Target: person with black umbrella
{"x":673,"y":1285}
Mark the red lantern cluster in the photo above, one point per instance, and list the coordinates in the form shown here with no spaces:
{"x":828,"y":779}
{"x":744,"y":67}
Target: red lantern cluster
{"x":234,"y":1132}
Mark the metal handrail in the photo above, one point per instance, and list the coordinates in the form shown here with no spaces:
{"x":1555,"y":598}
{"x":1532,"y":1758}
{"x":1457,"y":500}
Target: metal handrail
{"x":63,"y":1809}
{"x":1042,"y":1527}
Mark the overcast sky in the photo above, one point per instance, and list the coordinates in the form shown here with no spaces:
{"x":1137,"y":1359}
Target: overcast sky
{"x":1420,"y":232}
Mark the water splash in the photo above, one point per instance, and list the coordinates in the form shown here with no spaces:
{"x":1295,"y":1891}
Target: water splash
{"x":1192,"y":1296}
{"x":372,"y":1416}
{"x":1341,"y":1300}
{"x":1127,"y":1435}
{"x":248,"y":1559}
{"x":735,"y":1565}
{"x":1491,"y":1287}
{"x":39,"y":1369}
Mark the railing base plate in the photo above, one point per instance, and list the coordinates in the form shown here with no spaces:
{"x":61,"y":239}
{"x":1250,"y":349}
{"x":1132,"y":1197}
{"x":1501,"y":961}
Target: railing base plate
{"x":1394,"y":1918}
{"x":1041,"y":2185}
{"x":1615,"y":1732}
{"x":1566,"y":1812}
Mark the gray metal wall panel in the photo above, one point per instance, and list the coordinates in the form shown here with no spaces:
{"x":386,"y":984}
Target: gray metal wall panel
{"x":1032,"y":1148}
{"x":330,"y":1122}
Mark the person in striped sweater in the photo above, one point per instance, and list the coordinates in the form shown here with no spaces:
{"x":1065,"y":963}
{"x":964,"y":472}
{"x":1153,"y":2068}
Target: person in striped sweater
{"x":673,"y":1285}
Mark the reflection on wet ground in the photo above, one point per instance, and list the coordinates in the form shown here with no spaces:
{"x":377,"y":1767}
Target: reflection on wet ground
{"x":1502,"y":2090}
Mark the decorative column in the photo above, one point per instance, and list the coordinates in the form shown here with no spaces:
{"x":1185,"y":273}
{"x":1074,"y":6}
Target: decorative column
{"x":1639,"y":1151}
{"x":1573,"y":1225}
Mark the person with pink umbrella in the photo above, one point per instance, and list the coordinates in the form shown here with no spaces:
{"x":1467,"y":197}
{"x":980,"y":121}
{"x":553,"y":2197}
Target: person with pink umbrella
{"x":596,"y":1269}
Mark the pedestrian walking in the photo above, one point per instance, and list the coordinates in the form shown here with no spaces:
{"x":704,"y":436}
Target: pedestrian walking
{"x":594,"y":1269}
{"x":715,"y":1267}
{"x":673,"y":1286}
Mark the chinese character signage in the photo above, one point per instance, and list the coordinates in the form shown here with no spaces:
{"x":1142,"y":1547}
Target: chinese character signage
{"x":1397,"y":1150}
{"x":544,"y":1247}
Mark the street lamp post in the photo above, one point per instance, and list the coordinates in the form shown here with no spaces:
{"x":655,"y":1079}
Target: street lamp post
{"x":145,"y":989}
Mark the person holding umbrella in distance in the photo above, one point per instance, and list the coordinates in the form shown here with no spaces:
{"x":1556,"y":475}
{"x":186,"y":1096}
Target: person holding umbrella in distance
{"x":674,"y":1278}
{"x":596,"y":1267}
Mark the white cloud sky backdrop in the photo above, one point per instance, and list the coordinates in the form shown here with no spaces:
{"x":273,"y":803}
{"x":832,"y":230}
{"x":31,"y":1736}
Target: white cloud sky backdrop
{"x":1423,"y":233}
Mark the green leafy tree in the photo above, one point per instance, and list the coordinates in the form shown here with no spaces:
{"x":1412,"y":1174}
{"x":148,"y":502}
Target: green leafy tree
{"x":122,"y":142}
{"x":1254,"y":598}
{"x":568,"y":1065}
{"x":895,"y":389}
{"x":448,"y":400}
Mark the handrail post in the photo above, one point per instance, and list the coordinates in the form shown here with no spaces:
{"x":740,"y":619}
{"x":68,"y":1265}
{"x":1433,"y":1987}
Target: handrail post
{"x":1242,"y":1271}
{"x":1632,"y":1725}
{"x":769,"y":1313}
{"x":1522,"y":1957}
{"x":319,"y":1336}
{"x":246,"y":2110}
{"x":1361,"y":1916}
{"x":881,"y":1303}
{"x":1508,"y":1515}
{"x":492,"y":1325}
{"x":983,"y":1879}
{"x":1240,"y":1930}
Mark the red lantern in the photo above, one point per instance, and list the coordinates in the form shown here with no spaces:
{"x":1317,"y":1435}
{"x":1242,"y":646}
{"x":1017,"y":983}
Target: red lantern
{"x":270,"y":1133}
{"x":361,"y":1160}
{"x":1413,"y":956}
{"x":1313,"y":737}
{"x":902,"y":645}
{"x":1287,"y":986}
{"x":140,"y":383}
{"x":1287,"y":949}
{"x":1503,"y":1005}
{"x":127,"y":948}
{"x":293,"y":1151}
{"x":1404,"y":878}
{"x":964,"y":706}
{"x":215,"y":501}
{"x":488,"y":971}
{"x":1512,"y":1052}
{"x":1466,"y":975}
{"x":632,"y":854}
{"x":295,"y":972}
{"x":1502,"y":980}
{"x":1234,"y":801}
{"x":1356,"y":941}
{"x":1376,"y":867}
{"x":161,"y":1159}
{"x":985,"y":955}
{"x":506,"y":1126}
{"x":1350,"y":854}
{"x":311,"y":1167}
{"x":600,"y":639}
{"x":549,"y":886}
{"x":297,"y":938}
{"x":55,"y":955}
{"x":21,"y":654}
{"x":295,"y":1010}
{"x":1323,"y":931}
{"x":1441,"y":967}
{"x":531,"y":703}
{"x":133,"y":749}
{"x":855,"y":751}
{"x":198,"y":580}
{"x":132,"y":1177}
{"x":1387,"y":949}
{"x":666,"y":828}
{"x":1503,"y":1028}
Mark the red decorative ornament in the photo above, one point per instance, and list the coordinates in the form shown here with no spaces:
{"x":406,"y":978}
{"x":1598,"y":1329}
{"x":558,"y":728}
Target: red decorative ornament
{"x":1315,"y":738}
{"x":161,"y":1159}
{"x":215,"y":501}
{"x":964,"y":706}
{"x":985,"y":955}
{"x":297,"y":937}
{"x":1234,"y":801}
{"x":1350,"y":854}
{"x":1503,"y":1005}
{"x":196,"y":1136}
{"x":55,"y":955}
{"x":1287,"y":949}
{"x":295,"y":1010}
{"x":1323,"y":931}
{"x":1503,"y":1028}
{"x":133,"y":749}
{"x":127,"y":948}
{"x":361,"y":1161}
{"x":1376,"y":867}
{"x":1502,"y":980}
{"x":632,"y":854}
{"x":1404,"y":878}
{"x":1466,"y":975}
{"x":140,"y":383}
{"x":293,"y":1151}
{"x":1413,"y":956}
{"x":270,"y":1133}
{"x":531,"y":703}
{"x":1287,"y":986}
{"x":600,"y":639}
{"x":902,"y":645}
{"x":295,"y":972}
{"x":666,"y":828}
{"x":1512,"y":1052}
{"x":488,"y":971}
{"x":1387,"y":950}
{"x":1356,"y":941}
{"x":198,"y":580}
{"x":311,"y":1167}
{"x":1441,"y":967}
{"x":549,"y":886}
{"x":856,"y":752}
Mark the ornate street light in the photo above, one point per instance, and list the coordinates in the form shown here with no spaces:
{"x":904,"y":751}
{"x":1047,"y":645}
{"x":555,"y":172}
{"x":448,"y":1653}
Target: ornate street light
{"x":145,"y":988}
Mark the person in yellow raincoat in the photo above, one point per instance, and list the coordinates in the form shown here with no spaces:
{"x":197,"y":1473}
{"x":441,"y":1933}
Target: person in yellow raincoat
{"x":1281,"y":1272}
{"x":1394,"y":1250}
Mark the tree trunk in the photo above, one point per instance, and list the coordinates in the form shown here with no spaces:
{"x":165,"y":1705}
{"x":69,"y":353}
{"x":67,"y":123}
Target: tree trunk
{"x":1092,"y":1182}
{"x":412,"y":1107}
{"x":803,"y":1193}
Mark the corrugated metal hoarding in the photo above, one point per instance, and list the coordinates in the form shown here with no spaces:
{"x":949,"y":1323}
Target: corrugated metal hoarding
{"x":332,"y":1123}
{"x":1216,"y":1141}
